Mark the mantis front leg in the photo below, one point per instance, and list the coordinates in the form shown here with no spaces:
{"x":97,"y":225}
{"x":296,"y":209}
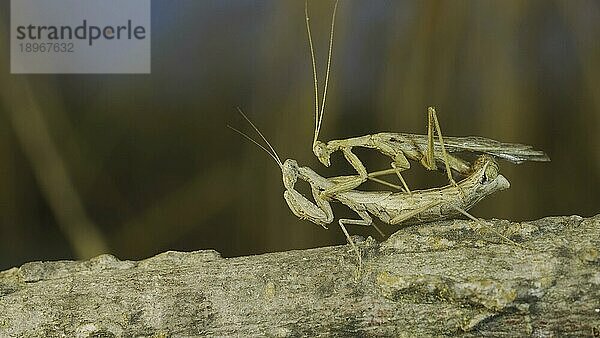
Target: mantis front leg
{"x":319,"y":213}
{"x":349,"y":183}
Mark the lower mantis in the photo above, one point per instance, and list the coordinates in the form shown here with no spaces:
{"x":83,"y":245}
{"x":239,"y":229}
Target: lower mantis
{"x":402,"y":147}
{"x":390,"y":207}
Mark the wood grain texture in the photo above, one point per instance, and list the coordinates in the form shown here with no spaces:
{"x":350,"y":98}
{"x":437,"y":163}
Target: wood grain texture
{"x":434,"y":279}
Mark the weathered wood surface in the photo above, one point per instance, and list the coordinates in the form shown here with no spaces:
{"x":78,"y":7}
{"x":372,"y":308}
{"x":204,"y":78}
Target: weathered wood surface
{"x":434,"y":279}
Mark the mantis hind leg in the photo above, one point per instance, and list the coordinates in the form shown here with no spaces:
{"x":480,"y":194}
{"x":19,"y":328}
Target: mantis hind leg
{"x":490,"y":228}
{"x":412,"y":213}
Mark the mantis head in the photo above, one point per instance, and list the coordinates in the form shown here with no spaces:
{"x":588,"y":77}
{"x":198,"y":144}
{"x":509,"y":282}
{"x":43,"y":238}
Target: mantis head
{"x":489,"y":179}
{"x":289,"y":173}
{"x":322,"y":153}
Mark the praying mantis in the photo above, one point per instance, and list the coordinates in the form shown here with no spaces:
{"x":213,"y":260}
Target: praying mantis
{"x":479,"y":179}
{"x":402,"y":147}
{"x":390,"y":207}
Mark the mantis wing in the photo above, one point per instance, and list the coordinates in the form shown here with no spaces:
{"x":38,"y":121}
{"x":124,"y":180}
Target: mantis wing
{"x":513,"y":152}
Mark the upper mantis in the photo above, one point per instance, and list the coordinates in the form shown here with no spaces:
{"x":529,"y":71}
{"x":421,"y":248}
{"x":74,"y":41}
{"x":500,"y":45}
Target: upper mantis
{"x":400,"y":147}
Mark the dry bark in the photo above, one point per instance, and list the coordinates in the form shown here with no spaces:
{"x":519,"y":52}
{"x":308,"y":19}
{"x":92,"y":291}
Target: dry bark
{"x":434,"y":279}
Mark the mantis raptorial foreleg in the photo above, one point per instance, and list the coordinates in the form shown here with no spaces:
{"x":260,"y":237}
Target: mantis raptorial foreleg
{"x":363,"y":175}
{"x":303,"y":208}
{"x":319,"y":213}
{"x":356,"y":180}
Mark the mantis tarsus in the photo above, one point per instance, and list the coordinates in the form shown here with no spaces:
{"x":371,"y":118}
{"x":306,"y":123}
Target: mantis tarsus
{"x":402,"y":147}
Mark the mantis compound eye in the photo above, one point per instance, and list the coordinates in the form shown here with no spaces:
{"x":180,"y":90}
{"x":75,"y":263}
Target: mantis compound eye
{"x":490,"y":172}
{"x":484,"y":179}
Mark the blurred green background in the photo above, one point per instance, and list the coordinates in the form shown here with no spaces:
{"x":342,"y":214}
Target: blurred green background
{"x":138,"y":164}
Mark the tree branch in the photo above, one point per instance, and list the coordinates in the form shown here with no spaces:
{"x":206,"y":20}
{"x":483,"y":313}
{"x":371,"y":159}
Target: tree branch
{"x":438,"y":279}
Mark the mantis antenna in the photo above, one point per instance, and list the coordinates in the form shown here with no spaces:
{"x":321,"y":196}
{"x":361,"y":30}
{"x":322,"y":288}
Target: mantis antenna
{"x":271,"y":151}
{"x":319,"y":114}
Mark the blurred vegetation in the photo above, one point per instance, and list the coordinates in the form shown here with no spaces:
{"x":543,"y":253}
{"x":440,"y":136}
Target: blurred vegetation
{"x":138,"y":164}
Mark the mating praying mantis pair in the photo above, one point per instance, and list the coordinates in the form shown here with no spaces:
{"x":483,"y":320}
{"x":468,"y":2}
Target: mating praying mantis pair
{"x":479,"y":179}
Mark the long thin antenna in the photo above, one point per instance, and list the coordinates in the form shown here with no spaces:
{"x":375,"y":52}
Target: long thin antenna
{"x":328,"y":67}
{"x":261,"y":135}
{"x":314,"y":71}
{"x":258,"y":144}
